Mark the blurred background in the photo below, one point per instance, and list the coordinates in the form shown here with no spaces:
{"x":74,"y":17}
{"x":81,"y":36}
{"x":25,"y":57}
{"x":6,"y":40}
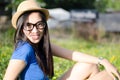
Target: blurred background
{"x":93,"y":19}
{"x":89,"y":26}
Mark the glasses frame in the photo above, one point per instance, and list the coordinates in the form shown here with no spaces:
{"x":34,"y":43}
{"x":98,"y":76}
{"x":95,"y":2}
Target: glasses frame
{"x":40,"y":25}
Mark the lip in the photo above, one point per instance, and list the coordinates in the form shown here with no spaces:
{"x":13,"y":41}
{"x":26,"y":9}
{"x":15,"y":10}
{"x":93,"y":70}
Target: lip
{"x":35,"y":37}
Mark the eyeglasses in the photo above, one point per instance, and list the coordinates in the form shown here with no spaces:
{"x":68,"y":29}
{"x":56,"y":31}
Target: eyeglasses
{"x":29,"y":26}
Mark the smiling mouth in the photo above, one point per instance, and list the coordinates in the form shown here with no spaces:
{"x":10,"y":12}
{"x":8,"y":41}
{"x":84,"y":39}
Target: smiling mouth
{"x":35,"y":37}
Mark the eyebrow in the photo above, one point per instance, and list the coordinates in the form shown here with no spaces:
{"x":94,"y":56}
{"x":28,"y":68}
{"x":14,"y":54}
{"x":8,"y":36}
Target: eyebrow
{"x":34,"y":23}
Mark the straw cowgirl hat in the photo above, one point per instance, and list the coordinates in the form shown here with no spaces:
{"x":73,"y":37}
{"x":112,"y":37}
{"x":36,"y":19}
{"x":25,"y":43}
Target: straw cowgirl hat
{"x":27,"y":5}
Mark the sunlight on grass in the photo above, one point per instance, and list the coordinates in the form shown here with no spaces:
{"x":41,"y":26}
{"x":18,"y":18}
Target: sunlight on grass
{"x":108,"y":50}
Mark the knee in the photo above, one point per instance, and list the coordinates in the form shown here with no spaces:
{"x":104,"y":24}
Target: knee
{"x":83,"y":70}
{"x":80,"y":71}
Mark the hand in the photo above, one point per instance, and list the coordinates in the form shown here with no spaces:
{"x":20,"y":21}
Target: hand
{"x":110,"y":69}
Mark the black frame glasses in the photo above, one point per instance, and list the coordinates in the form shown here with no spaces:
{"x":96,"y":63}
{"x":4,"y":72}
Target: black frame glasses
{"x":29,"y":26}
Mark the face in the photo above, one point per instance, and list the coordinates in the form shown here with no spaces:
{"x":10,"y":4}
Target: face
{"x":35,"y":33}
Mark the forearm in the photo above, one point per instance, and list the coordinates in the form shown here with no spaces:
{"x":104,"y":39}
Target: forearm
{"x":82,"y":57}
{"x":73,"y":55}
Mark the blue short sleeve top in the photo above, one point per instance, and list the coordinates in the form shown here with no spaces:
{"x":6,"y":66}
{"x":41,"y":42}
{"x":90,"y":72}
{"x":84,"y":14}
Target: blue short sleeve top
{"x":32,"y":71}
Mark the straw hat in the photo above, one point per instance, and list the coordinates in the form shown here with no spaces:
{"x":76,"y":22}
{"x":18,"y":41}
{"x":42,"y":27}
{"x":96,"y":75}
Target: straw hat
{"x":27,"y":5}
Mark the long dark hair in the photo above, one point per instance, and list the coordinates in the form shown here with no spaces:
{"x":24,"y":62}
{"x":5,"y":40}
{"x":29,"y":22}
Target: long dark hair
{"x":42,"y":49}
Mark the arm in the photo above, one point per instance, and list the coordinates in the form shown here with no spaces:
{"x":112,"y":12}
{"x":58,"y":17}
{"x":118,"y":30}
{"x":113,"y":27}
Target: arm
{"x":73,"y":55}
{"x":14,"y":68}
{"x":85,"y":58}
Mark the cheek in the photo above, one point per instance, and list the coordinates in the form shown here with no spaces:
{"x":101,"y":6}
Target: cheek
{"x":26,"y":33}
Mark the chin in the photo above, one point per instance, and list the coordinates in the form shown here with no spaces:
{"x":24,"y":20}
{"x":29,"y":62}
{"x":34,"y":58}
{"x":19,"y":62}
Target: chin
{"x":35,"y":41}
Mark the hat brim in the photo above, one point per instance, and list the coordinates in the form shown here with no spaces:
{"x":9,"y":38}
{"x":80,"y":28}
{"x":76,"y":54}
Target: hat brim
{"x":18,"y":14}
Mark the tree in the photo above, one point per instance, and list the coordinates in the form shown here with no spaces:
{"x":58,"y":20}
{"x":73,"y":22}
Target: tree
{"x":3,"y":9}
{"x":114,"y":5}
{"x":70,"y":4}
{"x":14,"y":3}
{"x":107,"y":5}
{"x":101,"y":5}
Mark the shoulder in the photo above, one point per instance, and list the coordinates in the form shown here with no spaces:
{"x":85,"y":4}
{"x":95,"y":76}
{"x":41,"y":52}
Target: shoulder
{"x":24,"y":51}
{"x":24,"y":47}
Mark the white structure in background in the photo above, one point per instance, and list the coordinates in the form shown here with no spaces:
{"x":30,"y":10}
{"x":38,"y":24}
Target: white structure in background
{"x":84,"y":15}
{"x":57,"y":15}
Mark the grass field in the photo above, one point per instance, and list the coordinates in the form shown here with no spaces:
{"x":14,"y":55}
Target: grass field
{"x":109,"y":50}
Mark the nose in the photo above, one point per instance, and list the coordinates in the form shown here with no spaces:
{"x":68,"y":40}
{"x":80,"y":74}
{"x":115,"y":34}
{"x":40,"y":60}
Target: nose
{"x":35,"y":29}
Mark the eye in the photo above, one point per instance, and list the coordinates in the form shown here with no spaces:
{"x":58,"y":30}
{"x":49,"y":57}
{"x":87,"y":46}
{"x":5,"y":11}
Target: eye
{"x":28,"y":24}
{"x":41,"y":24}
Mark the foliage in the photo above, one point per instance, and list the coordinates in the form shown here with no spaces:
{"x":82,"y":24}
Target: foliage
{"x":13,"y":5}
{"x":101,"y":5}
{"x":6,"y":48}
{"x":114,"y":5}
{"x":80,"y":4}
{"x":70,"y":4}
{"x":107,"y":5}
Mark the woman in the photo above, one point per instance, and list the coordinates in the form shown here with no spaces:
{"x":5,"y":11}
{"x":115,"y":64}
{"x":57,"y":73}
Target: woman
{"x":32,"y":58}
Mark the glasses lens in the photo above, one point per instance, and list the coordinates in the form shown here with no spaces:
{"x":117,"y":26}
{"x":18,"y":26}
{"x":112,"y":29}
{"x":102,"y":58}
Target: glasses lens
{"x":40,"y":25}
{"x":28,"y":26}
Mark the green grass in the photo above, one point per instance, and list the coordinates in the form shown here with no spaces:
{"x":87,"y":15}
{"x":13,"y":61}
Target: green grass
{"x":108,"y":50}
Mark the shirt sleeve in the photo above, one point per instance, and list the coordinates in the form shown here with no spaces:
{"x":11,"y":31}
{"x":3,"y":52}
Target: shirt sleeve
{"x":23,"y":52}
